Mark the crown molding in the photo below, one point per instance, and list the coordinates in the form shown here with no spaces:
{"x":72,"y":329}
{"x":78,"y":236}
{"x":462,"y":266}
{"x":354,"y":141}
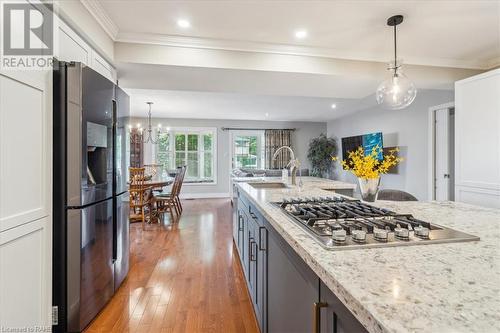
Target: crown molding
{"x":298,"y":50}
{"x":102,"y":17}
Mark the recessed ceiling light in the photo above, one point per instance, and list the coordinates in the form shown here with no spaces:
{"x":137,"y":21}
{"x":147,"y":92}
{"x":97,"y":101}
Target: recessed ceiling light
{"x":301,"y":34}
{"x":267,"y":114}
{"x":183,"y":23}
{"x":334,"y":106}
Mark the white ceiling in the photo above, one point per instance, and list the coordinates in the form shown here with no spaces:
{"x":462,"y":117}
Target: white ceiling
{"x":438,"y":34}
{"x":444,"y":33}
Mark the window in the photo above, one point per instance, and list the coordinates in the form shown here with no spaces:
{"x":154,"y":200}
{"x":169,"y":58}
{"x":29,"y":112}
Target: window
{"x":248,"y":151}
{"x":192,"y":147}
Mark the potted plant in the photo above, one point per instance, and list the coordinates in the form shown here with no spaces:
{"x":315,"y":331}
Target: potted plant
{"x":321,"y":151}
{"x":367,"y":167}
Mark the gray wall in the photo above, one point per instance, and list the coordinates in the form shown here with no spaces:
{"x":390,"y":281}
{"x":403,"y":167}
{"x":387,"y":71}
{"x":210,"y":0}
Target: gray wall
{"x":305,"y":131}
{"x":406,"y":128}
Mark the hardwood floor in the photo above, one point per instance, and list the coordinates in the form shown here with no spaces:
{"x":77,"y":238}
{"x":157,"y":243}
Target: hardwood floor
{"x":183,"y":277}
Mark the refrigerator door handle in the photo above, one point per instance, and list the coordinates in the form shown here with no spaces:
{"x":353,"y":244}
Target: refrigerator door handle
{"x":114,"y":131}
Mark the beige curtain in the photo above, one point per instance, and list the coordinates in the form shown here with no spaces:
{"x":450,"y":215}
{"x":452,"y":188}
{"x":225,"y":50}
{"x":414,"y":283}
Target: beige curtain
{"x":273,"y":140}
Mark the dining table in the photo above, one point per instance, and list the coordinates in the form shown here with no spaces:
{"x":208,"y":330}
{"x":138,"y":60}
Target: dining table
{"x":155,"y":182}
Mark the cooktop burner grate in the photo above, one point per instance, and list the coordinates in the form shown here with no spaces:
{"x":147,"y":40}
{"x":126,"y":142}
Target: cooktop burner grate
{"x":340,"y":223}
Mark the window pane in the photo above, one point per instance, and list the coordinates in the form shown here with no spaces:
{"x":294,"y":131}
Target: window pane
{"x":208,"y":164}
{"x":245,"y":151}
{"x":192,"y":142}
{"x":192,"y":165}
{"x":207,"y":139}
{"x":246,"y":161}
{"x":252,"y":147}
{"x":180,"y":159}
{"x":180,"y":142}
{"x":192,"y":149}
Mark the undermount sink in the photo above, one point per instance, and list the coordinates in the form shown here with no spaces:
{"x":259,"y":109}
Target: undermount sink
{"x":268,"y":185}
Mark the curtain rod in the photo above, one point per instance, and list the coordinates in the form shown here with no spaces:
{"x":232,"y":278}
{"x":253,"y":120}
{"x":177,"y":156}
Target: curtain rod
{"x":256,"y":129}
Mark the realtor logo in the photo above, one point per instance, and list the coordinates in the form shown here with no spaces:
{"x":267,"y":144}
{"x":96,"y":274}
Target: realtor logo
{"x":27,"y":29}
{"x":27,"y":36}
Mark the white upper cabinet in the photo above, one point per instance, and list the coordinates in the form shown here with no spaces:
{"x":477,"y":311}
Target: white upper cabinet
{"x":477,"y":139}
{"x":73,"y":48}
{"x":102,"y":67}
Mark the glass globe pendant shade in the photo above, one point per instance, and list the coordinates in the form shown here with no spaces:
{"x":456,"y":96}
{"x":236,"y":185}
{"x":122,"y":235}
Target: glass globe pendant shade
{"x":397,"y":92}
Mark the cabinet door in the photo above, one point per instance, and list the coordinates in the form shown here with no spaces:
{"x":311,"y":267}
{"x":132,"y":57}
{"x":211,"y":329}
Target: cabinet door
{"x":71,"y":46}
{"x":25,"y":279}
{"x":236,"y":222}
{"x":335,"y":317}
{"x":252,"y":259}
{"x":244,"y":242}
{"x":261,"y":281}
{"x":102,"y":66}
{"x":292,"y":289}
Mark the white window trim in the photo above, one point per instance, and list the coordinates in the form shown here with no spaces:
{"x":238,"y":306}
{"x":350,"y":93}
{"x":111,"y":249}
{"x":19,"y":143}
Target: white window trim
{"x":194,"y":130}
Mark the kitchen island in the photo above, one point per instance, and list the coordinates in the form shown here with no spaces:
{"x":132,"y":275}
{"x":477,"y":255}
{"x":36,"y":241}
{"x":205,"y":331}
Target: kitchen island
{"x":452,"y":287}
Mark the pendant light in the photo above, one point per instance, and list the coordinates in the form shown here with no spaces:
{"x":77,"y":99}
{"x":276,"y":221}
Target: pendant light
{"x":146,"y":137}
{"x":397,"y":92}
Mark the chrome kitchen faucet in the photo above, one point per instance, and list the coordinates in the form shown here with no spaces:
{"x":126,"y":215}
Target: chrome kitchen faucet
{"x":294,"y":163}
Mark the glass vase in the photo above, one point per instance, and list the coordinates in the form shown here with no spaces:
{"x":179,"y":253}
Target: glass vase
{"x":369,"y":188}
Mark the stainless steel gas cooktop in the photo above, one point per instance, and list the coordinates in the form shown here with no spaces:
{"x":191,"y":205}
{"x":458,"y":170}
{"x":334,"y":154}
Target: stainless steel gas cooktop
{"x":340,"y":224}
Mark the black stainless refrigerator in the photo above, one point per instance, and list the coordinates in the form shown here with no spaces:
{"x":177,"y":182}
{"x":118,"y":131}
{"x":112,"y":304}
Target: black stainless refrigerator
{"x":90,"y":199}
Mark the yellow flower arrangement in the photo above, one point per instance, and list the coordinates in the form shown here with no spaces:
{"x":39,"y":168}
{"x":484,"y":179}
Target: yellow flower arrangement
{"x":368,"y":166}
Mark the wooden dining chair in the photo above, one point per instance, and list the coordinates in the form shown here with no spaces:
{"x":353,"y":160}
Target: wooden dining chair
{"x":140,"y":196}
{"x":177,"y":199}
{"x":167,"y":202}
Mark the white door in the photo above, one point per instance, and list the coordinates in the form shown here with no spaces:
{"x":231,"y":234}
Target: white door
{"x":444,"y":151}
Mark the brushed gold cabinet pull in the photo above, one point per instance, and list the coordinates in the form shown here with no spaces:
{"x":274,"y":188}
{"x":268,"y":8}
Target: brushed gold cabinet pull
{"x":316,"y":314}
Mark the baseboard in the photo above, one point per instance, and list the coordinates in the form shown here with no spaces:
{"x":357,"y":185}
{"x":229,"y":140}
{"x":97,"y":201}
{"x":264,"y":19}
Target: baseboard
{"x":204,"y":195}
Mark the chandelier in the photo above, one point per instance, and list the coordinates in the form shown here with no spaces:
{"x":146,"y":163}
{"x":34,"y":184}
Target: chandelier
{"x":145,"y":136}
{"x":397,"y":92}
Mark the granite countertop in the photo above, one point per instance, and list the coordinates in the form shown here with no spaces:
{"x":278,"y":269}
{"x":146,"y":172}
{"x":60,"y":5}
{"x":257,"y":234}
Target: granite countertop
{"x":452,"y":287}
{"x":308,"y":181}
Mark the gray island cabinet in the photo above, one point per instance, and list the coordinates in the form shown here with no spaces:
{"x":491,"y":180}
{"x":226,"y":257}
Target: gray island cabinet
{"x":287,"y":296}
